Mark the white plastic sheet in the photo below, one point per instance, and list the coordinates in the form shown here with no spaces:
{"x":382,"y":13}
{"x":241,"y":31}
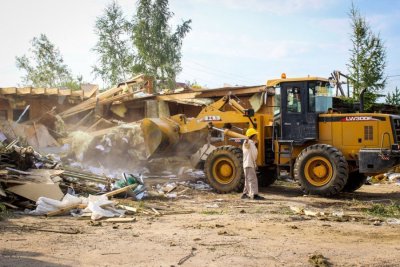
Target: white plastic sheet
{"x":101,"y":207}
{"x":46,"y":205}
{"x":98,"y":206}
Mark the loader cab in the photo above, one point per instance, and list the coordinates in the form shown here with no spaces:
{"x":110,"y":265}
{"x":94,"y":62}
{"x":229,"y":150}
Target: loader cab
{"x":298,"y":102}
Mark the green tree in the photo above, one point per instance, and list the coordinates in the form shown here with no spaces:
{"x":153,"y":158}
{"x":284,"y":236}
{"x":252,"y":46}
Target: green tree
{"x":368,"y":59}
{"x":116,"y":54}
{"x":158,"y":47}
{"x":45,"y":66}
{"x":393,"y":98}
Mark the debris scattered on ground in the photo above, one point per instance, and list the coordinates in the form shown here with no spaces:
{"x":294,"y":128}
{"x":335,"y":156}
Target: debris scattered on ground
{"x":44,"y":185}
{"x":70,"y":231}
{"x":191,"y":254}
{"x":394,"y":178}
{"x":318,"y":260}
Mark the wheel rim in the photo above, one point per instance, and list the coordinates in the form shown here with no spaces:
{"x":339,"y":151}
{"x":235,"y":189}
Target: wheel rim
{"x":318,"y":171}
{"x":224,"y":170}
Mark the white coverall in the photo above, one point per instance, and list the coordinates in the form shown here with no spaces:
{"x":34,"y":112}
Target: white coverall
{"x":250,"y":153}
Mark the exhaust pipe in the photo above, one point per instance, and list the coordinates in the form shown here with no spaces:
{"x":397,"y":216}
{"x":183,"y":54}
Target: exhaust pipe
{"x":362,"y":99}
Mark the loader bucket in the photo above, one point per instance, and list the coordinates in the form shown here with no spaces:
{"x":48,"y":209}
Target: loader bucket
{"x":160,"y":136}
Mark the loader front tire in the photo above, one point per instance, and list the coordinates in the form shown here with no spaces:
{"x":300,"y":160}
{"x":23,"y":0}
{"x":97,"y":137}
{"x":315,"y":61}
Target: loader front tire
{"x":355,"y":181}
{"x":321,"y":170}
{"x":224,"y":169}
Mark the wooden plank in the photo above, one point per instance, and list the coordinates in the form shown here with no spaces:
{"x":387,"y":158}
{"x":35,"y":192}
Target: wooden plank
{"x":38,"y":91}
{"x":64,"y":92}
{"x":63,"y":210}
{"x":127,"y":208}
{"x":119,"y":220}
{"x":90,"y":93}
{"x":76,"y":93}
{"x":17,"y":171}
{"x":28,"y":228}
{"x":2,"y":192}
{"x":9,"y":205}
{"x":51,"y":91}
{"x":8,"y":181}
{"x":155,"y":211}
{"x":79,"y":123}
{"x":24,"y":91}
{"x":115,"y":98}
{"x":90,"y":103}
{"x":8,"y":90}
{"x":177,"y":96}
{"x":121,"y":190}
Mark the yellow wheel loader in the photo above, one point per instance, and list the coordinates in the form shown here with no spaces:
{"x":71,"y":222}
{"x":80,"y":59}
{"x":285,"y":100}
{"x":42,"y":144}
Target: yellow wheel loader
{"x":298,"y":131}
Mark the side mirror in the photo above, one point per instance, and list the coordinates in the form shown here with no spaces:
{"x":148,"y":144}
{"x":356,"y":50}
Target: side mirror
{"x":249,"y":112}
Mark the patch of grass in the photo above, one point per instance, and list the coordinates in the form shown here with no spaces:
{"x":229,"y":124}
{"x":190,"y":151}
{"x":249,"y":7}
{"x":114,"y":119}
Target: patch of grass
{"x":384,"y":210}
{"x":140,"y":205}
{"x":211,"y":212}
{"x":4,"y":213}
{"x":284,"y":210}
{"x":260,"y":210}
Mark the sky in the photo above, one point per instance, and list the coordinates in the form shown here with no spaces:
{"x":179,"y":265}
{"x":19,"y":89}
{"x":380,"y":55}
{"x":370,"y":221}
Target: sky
{"x":231,"y":42}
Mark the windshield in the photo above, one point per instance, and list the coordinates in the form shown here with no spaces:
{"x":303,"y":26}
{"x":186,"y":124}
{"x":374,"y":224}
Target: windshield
{"x":319,"y":96}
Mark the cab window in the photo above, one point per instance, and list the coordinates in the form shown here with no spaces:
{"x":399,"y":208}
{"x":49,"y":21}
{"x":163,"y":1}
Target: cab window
{"x":277,"y":100}
{"x":294,"y":100}
{"x":312,"y":92}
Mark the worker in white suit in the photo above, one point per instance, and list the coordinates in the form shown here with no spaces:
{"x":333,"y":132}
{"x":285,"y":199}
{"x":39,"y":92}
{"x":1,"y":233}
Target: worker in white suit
{"x":250,"y":153}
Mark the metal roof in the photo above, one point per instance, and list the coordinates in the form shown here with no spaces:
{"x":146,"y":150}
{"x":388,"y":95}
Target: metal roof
{"x":275,"y":82}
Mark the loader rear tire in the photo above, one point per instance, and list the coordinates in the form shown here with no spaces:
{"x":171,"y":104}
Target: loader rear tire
{"x":355,"y":181}
{"x":224,"y":169}
{"x":321,"y":170}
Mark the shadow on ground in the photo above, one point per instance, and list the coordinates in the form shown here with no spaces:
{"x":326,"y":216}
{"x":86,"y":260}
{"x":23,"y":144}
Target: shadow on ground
{"x":9,"y":257}
{"x":283,"y":192}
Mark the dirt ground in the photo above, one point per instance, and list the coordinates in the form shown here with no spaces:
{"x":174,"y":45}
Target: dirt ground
{"x":208,"y":229}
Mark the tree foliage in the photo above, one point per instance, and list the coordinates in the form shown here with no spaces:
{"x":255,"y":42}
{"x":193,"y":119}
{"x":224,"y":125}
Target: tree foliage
{"x":116,"y":54}
{"x":45,"y":66}
{"x":393,"y":98}
{"x":368,"y":59}
{"x":158,"y":47}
